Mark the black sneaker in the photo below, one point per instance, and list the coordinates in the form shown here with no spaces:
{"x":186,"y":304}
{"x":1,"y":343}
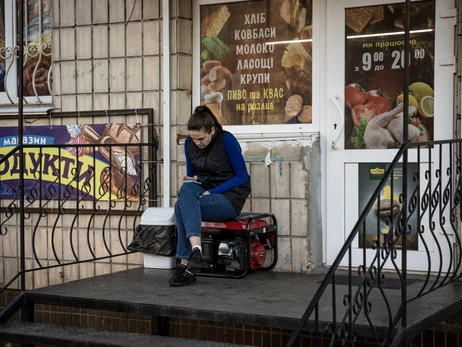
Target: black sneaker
{"x":182,"y":277}
{"x":196,"y":260}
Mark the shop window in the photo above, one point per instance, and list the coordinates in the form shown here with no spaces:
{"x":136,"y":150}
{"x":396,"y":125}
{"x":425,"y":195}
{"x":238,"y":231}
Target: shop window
{"x":255,"y":61}
{"x":37,"y":70}
{"x":374,"y":75}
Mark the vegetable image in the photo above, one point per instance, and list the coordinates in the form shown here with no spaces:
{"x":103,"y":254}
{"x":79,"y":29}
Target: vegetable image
{"x":214,"y":48}
{"x":354,"y":95}
{"x":368,"y":111}
{"x":380,"y":99}
{"x":358,"y":140}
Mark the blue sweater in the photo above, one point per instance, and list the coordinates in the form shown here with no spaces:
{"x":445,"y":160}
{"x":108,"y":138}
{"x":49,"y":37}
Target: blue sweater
{"x":233,"y":150}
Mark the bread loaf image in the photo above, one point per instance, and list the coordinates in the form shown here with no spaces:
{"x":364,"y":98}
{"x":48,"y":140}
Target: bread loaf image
{"x":357,"y":18}
{"x":213,"y":22}
{"x":124,"y":134}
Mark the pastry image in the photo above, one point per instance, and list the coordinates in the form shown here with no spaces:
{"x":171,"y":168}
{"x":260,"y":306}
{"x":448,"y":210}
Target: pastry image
{"x":120,"y":176}
{"x":306,"y":116}
{"x":294,"y":105}
{"x":387,"y":208}
{"x":125,"y":133}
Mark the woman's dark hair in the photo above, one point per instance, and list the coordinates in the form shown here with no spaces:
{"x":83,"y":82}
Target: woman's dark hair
{"x":203,"y":117}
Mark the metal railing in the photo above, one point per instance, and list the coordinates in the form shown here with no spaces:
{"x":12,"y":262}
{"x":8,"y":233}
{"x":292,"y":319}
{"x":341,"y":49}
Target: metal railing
{"x":427,"y":211}
{"x":80,"y":202}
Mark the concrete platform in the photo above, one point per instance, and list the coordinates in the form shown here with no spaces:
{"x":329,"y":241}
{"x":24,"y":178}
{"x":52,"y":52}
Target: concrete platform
{"x":269,"y":299}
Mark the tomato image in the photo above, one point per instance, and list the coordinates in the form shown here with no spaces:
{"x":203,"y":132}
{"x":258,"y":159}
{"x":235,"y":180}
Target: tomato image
{"x":354,"y":94}
{"x":369,"y":111}
{"x":380,"y":99}
{"x":415,"y":121}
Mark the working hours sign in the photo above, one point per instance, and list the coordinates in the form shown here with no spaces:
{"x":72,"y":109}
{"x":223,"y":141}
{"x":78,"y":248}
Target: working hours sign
{"x":256,"y":61}
{"x":374,"y":75}
{"x":91,"y":170}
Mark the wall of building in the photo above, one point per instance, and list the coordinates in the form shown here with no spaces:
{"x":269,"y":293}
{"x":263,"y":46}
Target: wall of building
{"x":107,"y":55}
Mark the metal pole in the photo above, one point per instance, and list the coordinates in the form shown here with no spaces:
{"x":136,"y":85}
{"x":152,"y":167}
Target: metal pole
{"x":20,"y":140}
{"x":166,"y":99}
{"x":405,"y":163}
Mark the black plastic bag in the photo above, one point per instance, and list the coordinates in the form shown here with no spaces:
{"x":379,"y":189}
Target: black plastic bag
{"x":157,"y":239}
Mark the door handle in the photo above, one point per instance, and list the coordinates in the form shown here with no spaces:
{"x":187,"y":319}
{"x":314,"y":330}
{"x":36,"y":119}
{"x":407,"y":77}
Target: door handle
{"x":342,"y":122}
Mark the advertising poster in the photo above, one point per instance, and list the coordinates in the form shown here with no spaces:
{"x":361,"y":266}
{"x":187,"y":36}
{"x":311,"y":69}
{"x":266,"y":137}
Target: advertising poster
{"x":370,"y":175}
{"x":37,"y":74}
{"x":100,"y":169}
{"x":374,"y":75}
{"x":256,"y":61}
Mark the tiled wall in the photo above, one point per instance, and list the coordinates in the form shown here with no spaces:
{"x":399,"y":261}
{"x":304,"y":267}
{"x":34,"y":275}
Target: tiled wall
{"x":290,"y":189}
{"x":108,"y":55}
{"x":112,"y":59}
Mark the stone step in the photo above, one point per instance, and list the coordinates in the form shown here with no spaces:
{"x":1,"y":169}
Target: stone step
{"x":55,"y":335}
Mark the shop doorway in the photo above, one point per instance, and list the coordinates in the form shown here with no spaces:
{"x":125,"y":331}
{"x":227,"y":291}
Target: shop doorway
{"x":365,"y":77}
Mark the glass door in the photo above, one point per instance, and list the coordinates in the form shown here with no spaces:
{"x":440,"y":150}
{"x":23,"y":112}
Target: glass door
{"x":365,"y":84}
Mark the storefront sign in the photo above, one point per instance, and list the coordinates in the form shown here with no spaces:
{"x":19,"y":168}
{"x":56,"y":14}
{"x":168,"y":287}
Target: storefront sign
{"x":374,"y":75}
{"x":386,"y":211}
{"x":70,"y":172}
{"x":256,"y":61}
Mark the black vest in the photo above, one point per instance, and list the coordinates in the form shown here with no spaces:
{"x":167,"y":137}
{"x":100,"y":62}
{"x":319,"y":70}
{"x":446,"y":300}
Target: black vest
{"x":212,"y":167}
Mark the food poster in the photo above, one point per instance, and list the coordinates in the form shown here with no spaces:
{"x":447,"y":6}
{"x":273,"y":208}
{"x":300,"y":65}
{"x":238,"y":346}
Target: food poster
{"x":385,"y":215}
{"x":95,"y":172}
{"x":374,"y":75}
{"x":256,"y":61}
{"x":38,"y":41}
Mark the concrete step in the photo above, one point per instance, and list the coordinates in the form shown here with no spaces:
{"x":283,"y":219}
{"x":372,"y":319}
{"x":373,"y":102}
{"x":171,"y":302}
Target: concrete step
{"x":55,"y":335}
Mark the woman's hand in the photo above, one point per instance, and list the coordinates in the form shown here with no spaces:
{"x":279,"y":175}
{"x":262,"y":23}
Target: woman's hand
{"x":206,"y":193}
{"x":189,"y":178}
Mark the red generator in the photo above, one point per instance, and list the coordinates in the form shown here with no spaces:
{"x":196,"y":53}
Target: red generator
{"x":235,"y":247}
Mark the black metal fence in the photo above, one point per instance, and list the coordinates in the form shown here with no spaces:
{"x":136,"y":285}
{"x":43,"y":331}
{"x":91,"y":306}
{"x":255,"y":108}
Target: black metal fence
{"x":81,"y":201}
{"x":427,"y":212}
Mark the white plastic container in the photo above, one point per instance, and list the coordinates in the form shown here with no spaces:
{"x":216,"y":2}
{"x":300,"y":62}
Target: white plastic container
{"x":159,"y":216}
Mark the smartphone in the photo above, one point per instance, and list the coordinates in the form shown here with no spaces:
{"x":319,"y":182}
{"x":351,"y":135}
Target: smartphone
{"x":192,"y":181}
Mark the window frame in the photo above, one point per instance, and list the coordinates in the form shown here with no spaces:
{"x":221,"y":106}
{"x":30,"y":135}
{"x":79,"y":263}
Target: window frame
{"x":262,"y":129}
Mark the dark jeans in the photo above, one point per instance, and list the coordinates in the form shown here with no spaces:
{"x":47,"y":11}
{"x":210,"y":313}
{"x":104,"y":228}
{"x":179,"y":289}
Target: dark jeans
{"x":191,"y":208}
